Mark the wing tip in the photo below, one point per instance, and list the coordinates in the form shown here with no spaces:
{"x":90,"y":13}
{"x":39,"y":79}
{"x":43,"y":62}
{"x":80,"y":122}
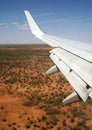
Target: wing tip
{"x":25,"y":11}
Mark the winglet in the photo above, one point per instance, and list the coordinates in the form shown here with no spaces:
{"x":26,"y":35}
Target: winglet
{"x":33,"y":26}
{"x":37,"y":31}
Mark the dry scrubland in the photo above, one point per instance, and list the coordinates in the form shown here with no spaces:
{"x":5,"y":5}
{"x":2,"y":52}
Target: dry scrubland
{"x":30,"y":99}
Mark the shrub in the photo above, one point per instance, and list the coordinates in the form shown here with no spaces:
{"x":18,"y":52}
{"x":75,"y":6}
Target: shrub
{"x":51,"y":111}
{"x":28,"y":125}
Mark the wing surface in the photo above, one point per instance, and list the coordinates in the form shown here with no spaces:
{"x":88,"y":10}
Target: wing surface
{"x":73,"y":60}
{"x":55,"y":42}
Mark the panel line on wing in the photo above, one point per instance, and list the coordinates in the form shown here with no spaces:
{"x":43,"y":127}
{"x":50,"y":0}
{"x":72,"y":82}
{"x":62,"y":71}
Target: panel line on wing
{"x":81,"y":67}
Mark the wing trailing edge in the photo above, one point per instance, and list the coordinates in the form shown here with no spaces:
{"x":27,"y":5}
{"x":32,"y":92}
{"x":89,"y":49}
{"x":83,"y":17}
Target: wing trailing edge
{"x":76,"y":71}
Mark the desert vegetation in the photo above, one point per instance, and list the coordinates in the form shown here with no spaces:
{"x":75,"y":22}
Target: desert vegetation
{"x":30,"y":99}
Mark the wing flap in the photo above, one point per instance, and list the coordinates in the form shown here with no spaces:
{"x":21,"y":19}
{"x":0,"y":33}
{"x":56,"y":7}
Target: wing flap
{"x":81,"y":67}
{"x":75,"y":81}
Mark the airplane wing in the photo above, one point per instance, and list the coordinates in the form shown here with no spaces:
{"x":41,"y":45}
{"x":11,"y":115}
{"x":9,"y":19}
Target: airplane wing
{"x":72,"y":58}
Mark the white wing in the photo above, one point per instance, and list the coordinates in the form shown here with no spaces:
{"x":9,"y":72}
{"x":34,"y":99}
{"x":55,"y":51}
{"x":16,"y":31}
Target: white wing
{"x":72,"y":58}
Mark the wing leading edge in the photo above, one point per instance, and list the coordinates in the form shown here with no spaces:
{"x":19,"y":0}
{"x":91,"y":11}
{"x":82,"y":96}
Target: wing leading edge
{"x":73,"y":62}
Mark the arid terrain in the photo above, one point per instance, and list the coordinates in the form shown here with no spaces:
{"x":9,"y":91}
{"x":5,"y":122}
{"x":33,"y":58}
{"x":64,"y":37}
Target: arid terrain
{"x":30,"y":99}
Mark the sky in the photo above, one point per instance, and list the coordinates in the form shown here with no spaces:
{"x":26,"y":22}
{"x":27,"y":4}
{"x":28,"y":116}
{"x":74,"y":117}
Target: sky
{"x":71,"y":19}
